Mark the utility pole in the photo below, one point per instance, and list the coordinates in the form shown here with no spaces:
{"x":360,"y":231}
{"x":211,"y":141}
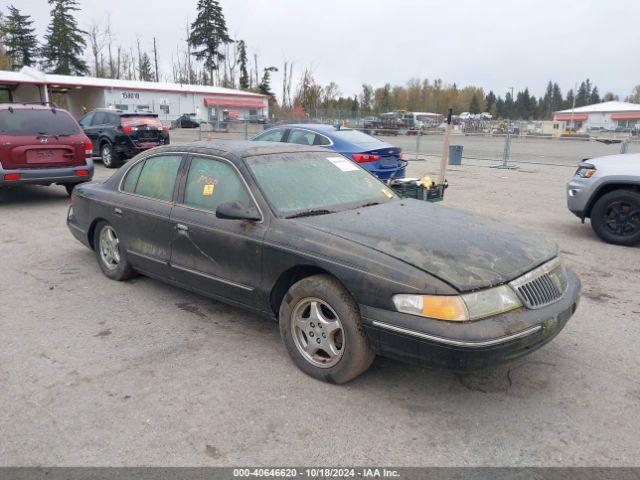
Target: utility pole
{"x":155,"y":58}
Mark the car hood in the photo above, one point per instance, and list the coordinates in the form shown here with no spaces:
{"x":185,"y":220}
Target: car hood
{"x":466,"y":250}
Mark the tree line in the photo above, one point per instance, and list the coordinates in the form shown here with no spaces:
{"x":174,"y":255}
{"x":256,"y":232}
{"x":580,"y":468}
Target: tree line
{"x":209,"y":56}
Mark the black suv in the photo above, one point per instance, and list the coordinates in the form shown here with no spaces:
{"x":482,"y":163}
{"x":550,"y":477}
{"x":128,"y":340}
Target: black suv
{"x":117,"y":135}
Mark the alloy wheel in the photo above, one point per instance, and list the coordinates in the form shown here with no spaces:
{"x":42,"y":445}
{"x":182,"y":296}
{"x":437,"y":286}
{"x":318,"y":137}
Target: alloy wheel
{"x":107,"y":156}
{"x":109,"y":248}
{"x":317,"y":332}
{"x":622,"y":218}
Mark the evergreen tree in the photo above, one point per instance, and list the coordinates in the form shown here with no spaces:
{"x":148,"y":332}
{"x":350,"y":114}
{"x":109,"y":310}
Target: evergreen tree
{"x":582,"y":97}
{"x":64,"y":42}
{"x":208,"y":35}
{"x":557,"y":102}
{"x":265,"y":83}
{"x":595,"y":96}
{"x":569,"y":101}
{"x":490,"y":100}
{"x":244,"y":72}
{"x":21,"y":44}
{"x":474,"y":105}
{"x":145,"y":71}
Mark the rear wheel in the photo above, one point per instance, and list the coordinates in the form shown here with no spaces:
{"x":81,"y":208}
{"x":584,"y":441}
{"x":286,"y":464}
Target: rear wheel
{"x":110,"y":253}
{"x":615,"y":217}
{"x":110,"y":158}
{"x":321,"y":328}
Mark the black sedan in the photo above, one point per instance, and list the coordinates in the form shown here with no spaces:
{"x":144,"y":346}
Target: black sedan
{"x":314,"y":241}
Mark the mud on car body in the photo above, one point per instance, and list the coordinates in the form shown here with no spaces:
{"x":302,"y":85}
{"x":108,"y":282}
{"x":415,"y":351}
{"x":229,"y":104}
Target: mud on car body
{"x":319,"y":244}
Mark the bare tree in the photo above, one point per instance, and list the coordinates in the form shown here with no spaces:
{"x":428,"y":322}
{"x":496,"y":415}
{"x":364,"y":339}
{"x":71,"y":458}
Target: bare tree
{"x":97,"y":37}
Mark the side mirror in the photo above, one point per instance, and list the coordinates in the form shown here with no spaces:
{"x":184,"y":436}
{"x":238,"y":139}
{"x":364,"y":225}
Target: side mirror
{"x":237,"y":211}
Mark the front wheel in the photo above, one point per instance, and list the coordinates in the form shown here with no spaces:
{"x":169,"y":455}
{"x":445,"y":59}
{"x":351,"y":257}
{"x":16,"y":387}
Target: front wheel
{"x":321,"y":329}
{"x":110,"y":253}
{"x":615,"y":217}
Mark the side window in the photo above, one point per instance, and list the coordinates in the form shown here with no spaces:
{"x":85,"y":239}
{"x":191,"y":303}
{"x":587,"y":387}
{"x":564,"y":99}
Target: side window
{"x":99,"y":118}
{"x":301,"y":137}
{"x":272,"y":136}
{"x":114,"y":119}
{"x":322,"y":140}
{"x":86,"y":120}
{"x":131,"y":179}
{"x":158,"y":177}
{"x":212,"y":182}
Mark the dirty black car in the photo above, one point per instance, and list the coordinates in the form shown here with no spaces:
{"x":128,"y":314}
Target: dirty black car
{"x":314,"y":241}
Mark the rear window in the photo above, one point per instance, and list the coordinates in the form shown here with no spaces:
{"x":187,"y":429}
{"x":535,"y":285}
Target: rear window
{"x":356,"y":137}
{"x":138,"y":120}
{"x":36,"y":122}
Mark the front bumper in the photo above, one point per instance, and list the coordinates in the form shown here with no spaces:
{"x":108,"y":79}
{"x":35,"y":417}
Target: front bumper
{"x":47,"y":176}
{"x":579,"y":191}
{"x":469,"y":345}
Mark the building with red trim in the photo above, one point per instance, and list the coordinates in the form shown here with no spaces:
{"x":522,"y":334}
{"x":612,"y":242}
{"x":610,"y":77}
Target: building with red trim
{"x":601,"y":116}
{"x":168,"y":100}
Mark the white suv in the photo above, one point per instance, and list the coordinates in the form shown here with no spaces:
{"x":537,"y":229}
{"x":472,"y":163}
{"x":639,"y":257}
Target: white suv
{"x":607,"y":190}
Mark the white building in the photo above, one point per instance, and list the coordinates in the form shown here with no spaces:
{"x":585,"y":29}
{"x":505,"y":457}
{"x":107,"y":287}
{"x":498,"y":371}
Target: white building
{"x":601,"y":116}
{"x":168,"y":100}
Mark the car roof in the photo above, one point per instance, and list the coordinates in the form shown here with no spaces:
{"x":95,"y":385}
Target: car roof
{"x":121,"y":112}
{"x":239,"y":148}
{"x":33,"y":106}
{"x":314,"y":127}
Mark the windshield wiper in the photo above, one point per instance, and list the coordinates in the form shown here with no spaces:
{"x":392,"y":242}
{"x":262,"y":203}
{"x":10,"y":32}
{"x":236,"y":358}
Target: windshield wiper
{"x":309,"y":213}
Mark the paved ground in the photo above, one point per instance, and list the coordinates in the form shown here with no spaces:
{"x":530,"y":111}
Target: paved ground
{"x":96,"y":372}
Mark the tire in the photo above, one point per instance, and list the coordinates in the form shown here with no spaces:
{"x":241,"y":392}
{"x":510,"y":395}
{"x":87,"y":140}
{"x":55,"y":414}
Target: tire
{"x":110,"y":158}
{"x":615,"y":217}
{"x":340,"y":347}
{"x":119,"y":267}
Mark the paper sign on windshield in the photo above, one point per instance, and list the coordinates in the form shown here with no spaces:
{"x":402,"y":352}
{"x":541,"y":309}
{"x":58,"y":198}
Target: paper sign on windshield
{"x":343,"y":164}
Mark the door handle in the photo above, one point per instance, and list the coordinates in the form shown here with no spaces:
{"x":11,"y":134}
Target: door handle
{"x":117,"y":211}
{"x":182,"y":228}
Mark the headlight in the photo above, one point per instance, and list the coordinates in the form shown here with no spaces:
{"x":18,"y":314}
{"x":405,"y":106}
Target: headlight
{"x":459,"y":308}
{"x":586,"y":171}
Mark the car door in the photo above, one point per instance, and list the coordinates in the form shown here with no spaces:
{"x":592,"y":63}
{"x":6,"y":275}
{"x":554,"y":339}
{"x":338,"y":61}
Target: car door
{"x":212,"y":255}
{"x":98,"y":124}
{"x":147,"y":194}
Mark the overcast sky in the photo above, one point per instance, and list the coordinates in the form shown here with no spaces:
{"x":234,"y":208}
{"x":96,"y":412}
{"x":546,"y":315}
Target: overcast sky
{"x":493,"y":44}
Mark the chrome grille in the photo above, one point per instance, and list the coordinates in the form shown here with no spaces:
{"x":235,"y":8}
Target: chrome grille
{"x":542,"y":286}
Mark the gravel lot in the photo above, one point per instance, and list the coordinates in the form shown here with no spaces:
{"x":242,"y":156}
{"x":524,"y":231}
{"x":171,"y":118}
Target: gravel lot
{"x":96,"y":372}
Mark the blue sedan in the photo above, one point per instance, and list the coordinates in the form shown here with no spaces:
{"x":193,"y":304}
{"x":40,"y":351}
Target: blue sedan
{"x":376,"y":156}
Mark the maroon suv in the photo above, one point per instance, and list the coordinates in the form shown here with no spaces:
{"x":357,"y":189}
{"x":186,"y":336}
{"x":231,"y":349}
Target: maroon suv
{"x":41,"y":145}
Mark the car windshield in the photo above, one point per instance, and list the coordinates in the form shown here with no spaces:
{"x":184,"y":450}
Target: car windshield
{"x":36,"y":121}
{"x":298,"y":184}
{"x":356,"y":137}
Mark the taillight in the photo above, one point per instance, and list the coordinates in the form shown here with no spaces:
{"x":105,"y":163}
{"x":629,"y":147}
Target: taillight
{"x":164,"y":128}
{"x":12,"y":176}
{"x":400,"y":156}
{"x":128,"y":129}
{"x":88,"y":148}
{"x":82,"y":173}
{"x":365,"y":157}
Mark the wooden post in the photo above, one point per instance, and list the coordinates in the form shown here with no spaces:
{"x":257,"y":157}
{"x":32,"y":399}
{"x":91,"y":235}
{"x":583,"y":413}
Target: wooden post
{"x":445,"y":149}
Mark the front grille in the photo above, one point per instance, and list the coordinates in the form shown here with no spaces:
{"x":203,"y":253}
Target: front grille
{"x":542,"y":286}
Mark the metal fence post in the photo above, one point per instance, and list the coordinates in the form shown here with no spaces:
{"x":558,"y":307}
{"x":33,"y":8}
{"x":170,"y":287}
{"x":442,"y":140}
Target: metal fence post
{"x":507,"y":150}
{"x":506,"y":153}
{"x":624,"y":147}
{"x":418,"y":145}
{"x":200,"y":131}
{"x":246,"y":130}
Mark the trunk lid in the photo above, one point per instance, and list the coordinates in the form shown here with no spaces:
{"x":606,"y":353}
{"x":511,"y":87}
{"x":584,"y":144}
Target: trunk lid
{"x":145,"y":131}
{"x":37,"y":137}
